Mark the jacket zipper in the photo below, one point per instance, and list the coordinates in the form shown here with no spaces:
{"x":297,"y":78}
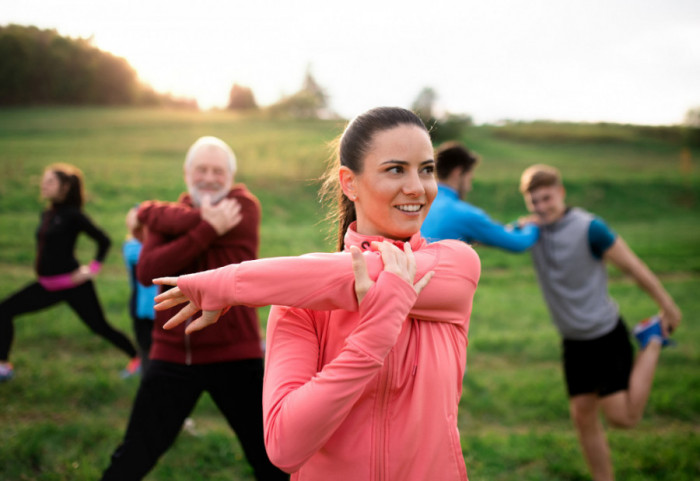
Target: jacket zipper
{"x":380,"y":428}
{"x":188,"y":345}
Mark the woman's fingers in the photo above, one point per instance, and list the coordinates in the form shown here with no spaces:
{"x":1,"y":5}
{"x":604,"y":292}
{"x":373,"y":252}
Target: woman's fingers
{"x":402,"y":263}
{"x":418,"y":286}
{"x":167,"y":304}
{"x":169,"y":298}
{"x":165,"y":281}
{"x":396,"y":261}
{"x":206,"y":319}
{"x":410,"y":259}
{"x":363,"y":283}
{"x":185,"y":313}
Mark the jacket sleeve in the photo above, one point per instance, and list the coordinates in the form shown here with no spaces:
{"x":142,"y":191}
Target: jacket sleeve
{"x":169,"y":218}
{"x":302,"y":408}
{"x":103,"y":241}
{"x":163,"y":255}
{"x":325,"y":281}
{"x":491,"y":233}
{"x":167,"y":254}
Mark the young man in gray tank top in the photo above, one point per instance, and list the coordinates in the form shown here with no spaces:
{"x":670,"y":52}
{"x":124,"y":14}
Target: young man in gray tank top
{"x":600,"y":372}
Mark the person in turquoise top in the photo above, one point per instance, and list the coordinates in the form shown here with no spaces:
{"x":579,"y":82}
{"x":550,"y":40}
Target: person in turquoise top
{"x":450,"y":217}
{"x":602,"y":374}
{"x":141,"y":299}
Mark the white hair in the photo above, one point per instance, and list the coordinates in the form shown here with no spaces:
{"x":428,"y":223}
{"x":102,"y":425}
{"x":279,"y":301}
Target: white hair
{"x":209,"y":142}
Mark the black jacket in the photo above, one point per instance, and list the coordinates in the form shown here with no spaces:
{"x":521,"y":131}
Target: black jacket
{"x":56,"y":238}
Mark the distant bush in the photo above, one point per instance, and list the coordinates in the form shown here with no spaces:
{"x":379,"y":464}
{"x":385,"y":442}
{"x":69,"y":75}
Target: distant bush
{"x":41,"y":67}
{"x":450,"y":127}
{"x":563,"y":132}
{"x":241,"y":98}
{"x":310,"y":102}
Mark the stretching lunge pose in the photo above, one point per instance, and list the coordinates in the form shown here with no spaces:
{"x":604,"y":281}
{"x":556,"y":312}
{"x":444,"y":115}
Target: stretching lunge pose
{"x":570,"y":258}
{"x":60,"y":276}
{"x":367,"y":346}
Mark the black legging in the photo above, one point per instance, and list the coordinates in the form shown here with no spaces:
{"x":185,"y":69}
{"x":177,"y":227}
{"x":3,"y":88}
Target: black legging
{"x":167,"y":395}
{"x":82,"y":299}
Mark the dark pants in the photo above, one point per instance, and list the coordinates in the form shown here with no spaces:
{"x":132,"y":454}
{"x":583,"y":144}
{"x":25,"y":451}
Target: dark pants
{"x":602,"y":365}
{"x":82,"y":299}
{"x":142,"y":331}
{"x":167,"y":395}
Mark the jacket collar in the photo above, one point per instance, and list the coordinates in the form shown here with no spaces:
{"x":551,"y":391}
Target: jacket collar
{"x":353,"y":238}
{"x":446,"y":190}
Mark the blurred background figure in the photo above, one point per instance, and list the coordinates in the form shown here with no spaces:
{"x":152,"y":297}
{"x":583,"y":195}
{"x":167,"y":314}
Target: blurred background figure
{"x":601,"y":372}
{"x":141,"y":297}
{"x":213,"y":224}
{"x":451,"y":217}
{"x":60,"y":276}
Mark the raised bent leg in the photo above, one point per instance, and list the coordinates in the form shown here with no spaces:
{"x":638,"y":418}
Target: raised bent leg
{"x":624,"y":409}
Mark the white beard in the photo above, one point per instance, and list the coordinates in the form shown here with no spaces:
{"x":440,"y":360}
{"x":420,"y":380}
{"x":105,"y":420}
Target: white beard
{"x":197,"y":196}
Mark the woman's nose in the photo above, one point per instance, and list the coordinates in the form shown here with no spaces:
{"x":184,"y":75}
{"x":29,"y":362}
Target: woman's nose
{"x":413,"y":185}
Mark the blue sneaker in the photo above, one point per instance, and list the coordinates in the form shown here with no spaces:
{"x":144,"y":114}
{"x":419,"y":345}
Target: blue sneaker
{"x":649,"y":329}
{"x":7,"y":372}
{"x":132,"y":369}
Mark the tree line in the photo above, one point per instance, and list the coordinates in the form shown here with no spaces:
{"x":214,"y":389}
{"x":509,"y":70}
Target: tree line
{"x":41,"y":67}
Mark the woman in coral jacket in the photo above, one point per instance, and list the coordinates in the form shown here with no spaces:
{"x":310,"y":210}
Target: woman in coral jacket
{"x":364,"y":368}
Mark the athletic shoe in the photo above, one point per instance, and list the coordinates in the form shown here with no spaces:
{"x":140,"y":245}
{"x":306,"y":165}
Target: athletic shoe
{"x":190,"y":427}
{"x":132,"y":369}
{"x":7,"y":372}
{"x":649,"y":329}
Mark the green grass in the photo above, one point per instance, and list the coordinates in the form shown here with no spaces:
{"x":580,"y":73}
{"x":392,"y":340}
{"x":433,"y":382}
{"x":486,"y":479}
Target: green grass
{"x":67,"y":409}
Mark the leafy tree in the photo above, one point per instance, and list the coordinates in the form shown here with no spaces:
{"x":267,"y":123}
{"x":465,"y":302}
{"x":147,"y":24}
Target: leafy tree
{"x":241,"y":98}
{"x":424,"y":105}
{"x":311,"y":101}
{"x":692,"y":118}
{"x":448,"y":126}
{"x":691,"y":132}
{"x":42,"y":67}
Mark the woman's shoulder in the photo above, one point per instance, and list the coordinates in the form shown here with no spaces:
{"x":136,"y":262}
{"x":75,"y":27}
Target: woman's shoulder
{"x":457,"y":247}
{"x":68,"y":212}
{"x":456,"y":253}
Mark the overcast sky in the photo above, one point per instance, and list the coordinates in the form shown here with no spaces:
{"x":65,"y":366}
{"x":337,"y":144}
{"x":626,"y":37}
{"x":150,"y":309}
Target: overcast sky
{"x":629,"y":61}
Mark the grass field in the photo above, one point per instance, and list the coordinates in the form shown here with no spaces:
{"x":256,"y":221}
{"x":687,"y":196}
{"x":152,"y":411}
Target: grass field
{"x":66,"y":410}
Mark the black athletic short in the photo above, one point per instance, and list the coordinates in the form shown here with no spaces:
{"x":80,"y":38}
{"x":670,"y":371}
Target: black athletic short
{"x":599,"y":366}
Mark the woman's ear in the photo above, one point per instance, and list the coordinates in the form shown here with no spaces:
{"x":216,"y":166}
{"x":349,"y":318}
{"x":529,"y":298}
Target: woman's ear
{"x":347,"y":182}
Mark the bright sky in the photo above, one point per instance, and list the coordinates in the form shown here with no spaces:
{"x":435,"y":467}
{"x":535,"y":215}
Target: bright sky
{"x":629,"y":61}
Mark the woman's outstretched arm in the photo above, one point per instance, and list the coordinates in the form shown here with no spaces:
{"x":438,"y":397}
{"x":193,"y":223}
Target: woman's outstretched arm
{"x":324,"y":281}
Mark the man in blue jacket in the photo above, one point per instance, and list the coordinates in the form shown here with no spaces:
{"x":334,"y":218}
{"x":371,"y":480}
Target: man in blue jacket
{"x":450,"y":217}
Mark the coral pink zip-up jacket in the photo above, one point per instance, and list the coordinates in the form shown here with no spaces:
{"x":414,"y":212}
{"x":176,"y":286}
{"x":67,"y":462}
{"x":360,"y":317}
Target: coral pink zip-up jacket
{"x":358,"y":395}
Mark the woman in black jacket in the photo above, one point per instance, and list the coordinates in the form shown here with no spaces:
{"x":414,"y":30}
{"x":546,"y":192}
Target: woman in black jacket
{"x":60,"y":276}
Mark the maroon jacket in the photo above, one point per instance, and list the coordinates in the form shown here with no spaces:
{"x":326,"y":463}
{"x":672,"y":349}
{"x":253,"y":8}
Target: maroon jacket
{"x":179,"y":242}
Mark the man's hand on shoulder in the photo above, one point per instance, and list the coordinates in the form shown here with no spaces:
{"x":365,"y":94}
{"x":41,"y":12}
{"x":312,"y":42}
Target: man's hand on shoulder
{"x":530,"y":219}
{"x":223,"y":216}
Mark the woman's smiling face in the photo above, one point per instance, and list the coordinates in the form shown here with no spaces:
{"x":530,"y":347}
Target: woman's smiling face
{"x":397,"y":184}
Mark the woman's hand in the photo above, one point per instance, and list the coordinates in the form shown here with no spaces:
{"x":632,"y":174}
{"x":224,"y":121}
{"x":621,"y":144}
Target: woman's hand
{"x":81,"y":275}
{"x":400,"y":263}
{"x":174,"y":297}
